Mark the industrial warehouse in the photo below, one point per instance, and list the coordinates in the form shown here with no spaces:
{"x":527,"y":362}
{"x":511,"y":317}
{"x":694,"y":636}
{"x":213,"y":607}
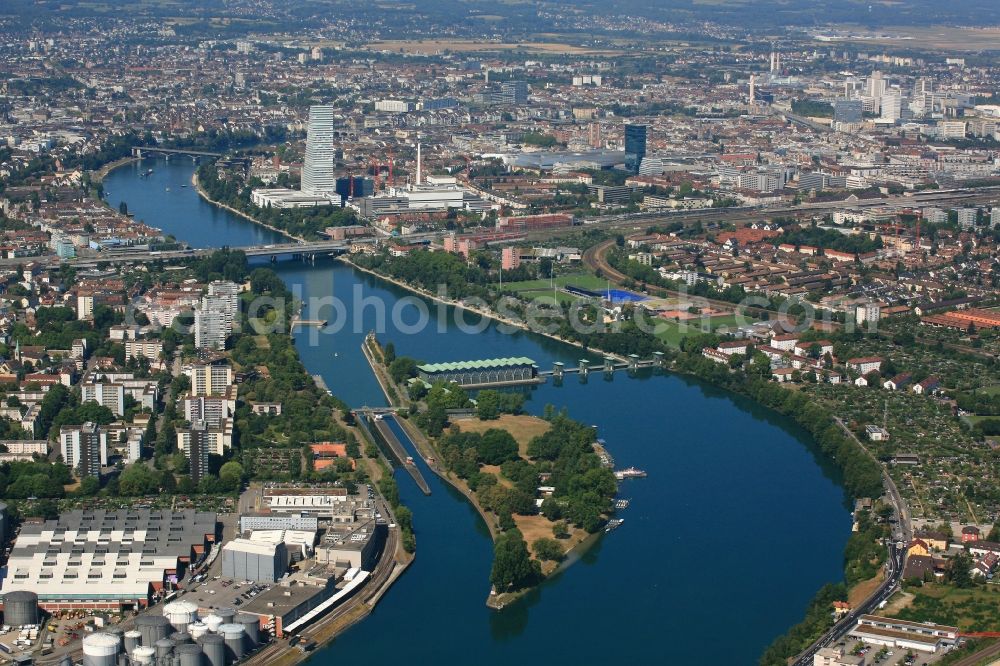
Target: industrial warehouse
{"x":287,"y":577}
{"x":108,"y":560}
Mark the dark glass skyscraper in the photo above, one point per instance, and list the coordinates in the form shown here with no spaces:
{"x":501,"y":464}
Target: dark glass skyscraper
{"x":635,"y":146}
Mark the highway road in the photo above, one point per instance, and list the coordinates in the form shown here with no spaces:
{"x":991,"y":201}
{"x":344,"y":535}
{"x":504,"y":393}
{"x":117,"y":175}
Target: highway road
{"x":895,"y":563}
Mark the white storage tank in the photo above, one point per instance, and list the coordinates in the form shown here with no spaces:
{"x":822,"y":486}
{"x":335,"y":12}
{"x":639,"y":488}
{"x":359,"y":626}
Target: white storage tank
{"x":133,"y":639}
{"x":213,"y":622}
{"x":101,"y":649}
{"x":235,"y":637}
{"x":143,"y":655}
{"x":198,"y":629}
{"x":180,"y":614}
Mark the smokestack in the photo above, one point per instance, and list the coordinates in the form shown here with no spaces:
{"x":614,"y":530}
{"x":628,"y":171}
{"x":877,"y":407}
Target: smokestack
{"x":753,"y":84}
{"x":418,"y":163}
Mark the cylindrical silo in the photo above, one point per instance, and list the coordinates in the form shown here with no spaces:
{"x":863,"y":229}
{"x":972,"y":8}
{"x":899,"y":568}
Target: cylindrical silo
{"x":133,"y":639}
{"x":189,"y":654}
{"x":214,"y":647}
{"x":101,"y":649}
{"x":180,"y":614}
{"x":153,"y":628}
{"x":197,"y":630}
{"x":143,"y":655}
{"x":180,"y":637}
{"x":20,"y":607}
{"x":213,"y":622}
{"x":164,"y":647}
{"x":235,"y":637}
{"x":227,"y":615}
{"x":251,"y":625}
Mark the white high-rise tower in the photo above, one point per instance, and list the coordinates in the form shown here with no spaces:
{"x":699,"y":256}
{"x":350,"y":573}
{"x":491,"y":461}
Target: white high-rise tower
{"x":317,"y":172}
{"x":418,"y":163}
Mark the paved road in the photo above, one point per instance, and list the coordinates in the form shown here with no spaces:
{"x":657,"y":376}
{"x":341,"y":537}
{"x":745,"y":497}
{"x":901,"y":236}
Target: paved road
{"x":895,"y":563}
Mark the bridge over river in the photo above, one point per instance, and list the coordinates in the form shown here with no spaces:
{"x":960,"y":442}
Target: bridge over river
{"x":155,"y":151}
{"x":307,"y":250}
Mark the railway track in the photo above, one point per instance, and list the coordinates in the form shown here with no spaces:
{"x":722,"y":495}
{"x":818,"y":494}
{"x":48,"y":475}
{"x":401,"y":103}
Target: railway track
{"x":594,"y":258}
{"x":365,"y":597}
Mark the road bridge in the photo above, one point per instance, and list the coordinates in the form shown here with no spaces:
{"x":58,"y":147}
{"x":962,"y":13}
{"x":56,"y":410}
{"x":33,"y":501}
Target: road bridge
{"x":149,"y":151}
{"x":309,"y":250}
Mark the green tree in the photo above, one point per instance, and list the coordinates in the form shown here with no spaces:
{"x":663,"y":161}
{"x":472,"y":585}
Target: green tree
{"x":488,"y":405}
{"x":513,"y":567}
{"x":960,"y":573}
{"x":402,"y":368}
{"x":547,"y":549}
{"x":231,"y":475}
{"x":551,"y":509}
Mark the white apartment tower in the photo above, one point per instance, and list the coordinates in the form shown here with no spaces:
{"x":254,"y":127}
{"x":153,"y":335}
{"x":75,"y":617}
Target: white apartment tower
{"x":209,"y":378}
{"x":209,"y":329}
{"x":317,"y":172}
{"x":876,"y":85}
{"x":891,"y":105}
{"x":224,"y":296}
{"x":84,"y":448}
{"x":107,"y":394}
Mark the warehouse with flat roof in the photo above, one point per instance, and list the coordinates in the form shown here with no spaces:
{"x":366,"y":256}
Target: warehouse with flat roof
{"x":904,"y":634}
{"x":113,"y":560}
{"x":259,"y":561}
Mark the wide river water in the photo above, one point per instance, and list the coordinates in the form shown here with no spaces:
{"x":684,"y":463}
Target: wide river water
{"x":735,"y":528}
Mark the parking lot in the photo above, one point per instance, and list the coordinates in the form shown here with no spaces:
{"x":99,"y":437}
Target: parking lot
{"x":218,"y":592}
{"x":875,"y":654}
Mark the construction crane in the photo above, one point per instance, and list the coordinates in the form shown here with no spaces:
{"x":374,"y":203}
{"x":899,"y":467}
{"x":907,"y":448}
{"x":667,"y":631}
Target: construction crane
{"x":392,"y":161}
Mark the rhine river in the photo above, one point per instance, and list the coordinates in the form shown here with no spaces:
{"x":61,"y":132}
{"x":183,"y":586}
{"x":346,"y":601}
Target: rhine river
{"x":723,"y":546}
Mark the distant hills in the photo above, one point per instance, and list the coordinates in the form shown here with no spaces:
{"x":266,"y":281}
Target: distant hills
{"x":510,"y":17}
